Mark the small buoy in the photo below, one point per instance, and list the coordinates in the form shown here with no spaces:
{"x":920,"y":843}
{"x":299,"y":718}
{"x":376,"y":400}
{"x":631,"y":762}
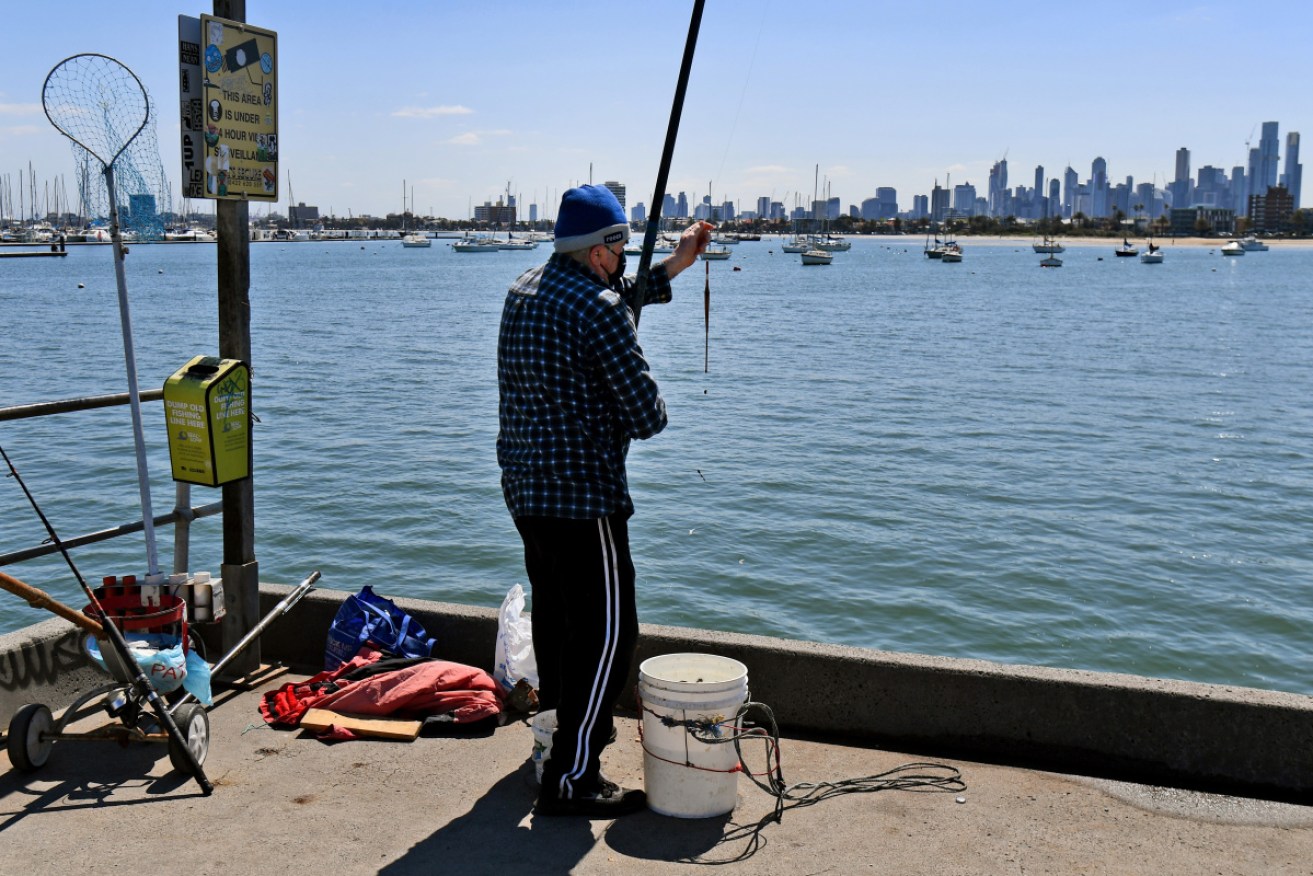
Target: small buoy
{"x":737,"y":268}
{"x":84,"y":285}
{"x":161,"y":270}
{"x":1100,"y":258}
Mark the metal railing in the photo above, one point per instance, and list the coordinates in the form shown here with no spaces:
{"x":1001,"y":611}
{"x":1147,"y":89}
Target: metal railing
{"x":181,"y":516}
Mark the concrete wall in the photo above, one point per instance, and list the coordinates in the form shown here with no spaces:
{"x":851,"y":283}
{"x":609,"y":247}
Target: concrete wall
{"x":43,"y":663}
{"x":1210,"y":737}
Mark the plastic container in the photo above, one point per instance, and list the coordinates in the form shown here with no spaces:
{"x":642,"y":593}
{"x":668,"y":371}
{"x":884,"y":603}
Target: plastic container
{"x":543,"y":725}
{"x":683,"y":776}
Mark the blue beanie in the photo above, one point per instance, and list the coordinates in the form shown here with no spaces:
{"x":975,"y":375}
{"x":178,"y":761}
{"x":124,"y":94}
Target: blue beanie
{"x":589,"y":215}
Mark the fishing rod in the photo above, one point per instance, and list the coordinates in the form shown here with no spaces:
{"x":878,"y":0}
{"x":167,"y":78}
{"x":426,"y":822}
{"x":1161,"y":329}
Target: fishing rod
{"x":121,"y":650}
{"x":663,"y":173}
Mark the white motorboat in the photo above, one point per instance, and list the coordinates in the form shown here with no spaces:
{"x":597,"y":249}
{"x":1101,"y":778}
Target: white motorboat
{"x":1234,"y":248}
{"x":476,"y":244}
{"x":416,"y":239}
{"x":951,"y":252}
{"x":714,"y":254}
{"x":817,"y":257}
{"x":1253,"y":244}
{"x":830,"y":243}
{"x":795,"y":245}
{"x":1153,"y":255}
{"x":517,"y":243}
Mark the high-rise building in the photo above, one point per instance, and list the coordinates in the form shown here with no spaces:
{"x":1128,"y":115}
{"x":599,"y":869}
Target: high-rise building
{"x":888,"y":198}
{"x":1180,"y":187}
{"x":1212,"y":189}
{"x":938,"y":203}
{"x":1254,"y":174}
{"x":1054,"y":206}
{"x":763,"y":207}
{"x":681,"y":206}
{"x":1239,"y":190}
{"x":638,"y":213}
{"x":1099,"y":188}
{"x":1069,"y":184}
{"x":617,"y":189}
{"x":998,"y":186}
{"x":964,"y":199}
{"x":1267,"y":159}
{"x":1294,"y":170}
{"x":920,"y":206}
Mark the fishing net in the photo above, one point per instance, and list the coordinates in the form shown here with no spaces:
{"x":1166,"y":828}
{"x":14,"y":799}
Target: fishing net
{"x":105,"y":110}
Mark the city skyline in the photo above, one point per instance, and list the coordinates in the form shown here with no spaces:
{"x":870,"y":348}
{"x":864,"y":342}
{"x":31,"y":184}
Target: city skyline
{"x":441,"y":107}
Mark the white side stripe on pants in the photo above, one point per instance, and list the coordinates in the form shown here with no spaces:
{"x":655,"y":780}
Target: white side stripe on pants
{"x":602,"y":677}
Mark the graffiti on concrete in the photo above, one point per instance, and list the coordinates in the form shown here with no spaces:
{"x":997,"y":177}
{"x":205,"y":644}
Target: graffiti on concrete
{"x":40,"y":663}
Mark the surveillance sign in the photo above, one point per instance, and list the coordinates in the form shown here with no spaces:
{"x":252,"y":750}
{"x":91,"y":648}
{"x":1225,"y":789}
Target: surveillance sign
{"x":229,"y":74}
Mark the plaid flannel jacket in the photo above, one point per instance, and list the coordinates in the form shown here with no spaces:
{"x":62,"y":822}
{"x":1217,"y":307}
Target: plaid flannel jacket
{"x":575,"y":388}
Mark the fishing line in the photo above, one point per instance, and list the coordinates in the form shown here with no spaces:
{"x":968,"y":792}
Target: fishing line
{"x":747,"y":77}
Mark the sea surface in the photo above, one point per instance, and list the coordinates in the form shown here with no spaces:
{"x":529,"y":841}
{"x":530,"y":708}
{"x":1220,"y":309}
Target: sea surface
{"x":1106,"y":466}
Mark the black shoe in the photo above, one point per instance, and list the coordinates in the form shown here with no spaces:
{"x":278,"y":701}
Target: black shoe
{"x":608,"y":801}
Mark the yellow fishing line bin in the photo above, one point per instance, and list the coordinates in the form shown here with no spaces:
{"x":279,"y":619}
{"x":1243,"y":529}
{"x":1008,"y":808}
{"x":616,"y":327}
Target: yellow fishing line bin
{"x":207,"y":404}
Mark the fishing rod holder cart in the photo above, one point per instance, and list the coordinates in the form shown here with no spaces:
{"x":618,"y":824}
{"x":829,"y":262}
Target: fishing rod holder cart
{"x":156,"y":613}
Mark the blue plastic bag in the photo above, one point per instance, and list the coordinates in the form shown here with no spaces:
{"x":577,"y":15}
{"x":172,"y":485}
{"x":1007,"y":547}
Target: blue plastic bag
{"x":367,"y":618}
{"x":161,"y":658}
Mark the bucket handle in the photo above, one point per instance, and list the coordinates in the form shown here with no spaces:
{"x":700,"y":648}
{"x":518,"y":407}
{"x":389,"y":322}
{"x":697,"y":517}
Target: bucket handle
{"x":689,"y":727}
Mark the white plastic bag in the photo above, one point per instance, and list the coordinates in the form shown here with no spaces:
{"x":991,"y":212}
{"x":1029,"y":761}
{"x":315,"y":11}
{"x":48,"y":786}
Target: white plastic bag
{"x":514,"y":659}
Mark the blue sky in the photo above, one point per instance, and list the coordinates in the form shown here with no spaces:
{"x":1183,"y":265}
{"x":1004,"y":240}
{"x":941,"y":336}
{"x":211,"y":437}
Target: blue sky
{"x":454,"y":100}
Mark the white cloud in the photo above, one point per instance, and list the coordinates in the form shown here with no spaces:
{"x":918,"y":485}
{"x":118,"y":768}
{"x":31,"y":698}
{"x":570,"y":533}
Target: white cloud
{"x":20,"y":109}
{"x":429,"y":112}
{"x":475,"y":138}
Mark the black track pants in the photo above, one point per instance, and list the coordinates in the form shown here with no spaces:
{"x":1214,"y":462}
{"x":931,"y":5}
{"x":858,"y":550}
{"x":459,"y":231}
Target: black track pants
{"x":585,"y":630}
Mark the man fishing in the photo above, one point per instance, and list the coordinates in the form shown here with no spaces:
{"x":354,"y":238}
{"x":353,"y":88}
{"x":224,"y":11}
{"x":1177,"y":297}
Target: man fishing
{"x":575,"y":388}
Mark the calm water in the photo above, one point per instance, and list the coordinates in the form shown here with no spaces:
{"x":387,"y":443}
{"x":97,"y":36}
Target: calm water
{"x":1105,"y":466}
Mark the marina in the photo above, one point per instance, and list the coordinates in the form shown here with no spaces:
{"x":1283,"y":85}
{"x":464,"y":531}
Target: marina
{"x":1028,"y":459}
{"x":1059,"y":749}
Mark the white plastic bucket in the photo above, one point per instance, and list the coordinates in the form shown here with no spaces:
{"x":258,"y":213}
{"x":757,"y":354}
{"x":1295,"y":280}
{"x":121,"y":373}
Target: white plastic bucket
{"x":683,"y":776}
{"x":543,"y":725}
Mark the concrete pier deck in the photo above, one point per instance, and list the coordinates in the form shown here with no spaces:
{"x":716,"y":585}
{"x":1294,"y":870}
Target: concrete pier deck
{"x":285,"y":802}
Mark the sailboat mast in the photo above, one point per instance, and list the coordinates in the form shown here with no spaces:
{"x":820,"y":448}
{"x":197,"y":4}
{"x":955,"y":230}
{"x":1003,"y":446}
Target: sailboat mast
{"x":815,"y":179}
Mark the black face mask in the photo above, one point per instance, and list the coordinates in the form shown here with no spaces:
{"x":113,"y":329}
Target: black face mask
{"x":614,"y":277}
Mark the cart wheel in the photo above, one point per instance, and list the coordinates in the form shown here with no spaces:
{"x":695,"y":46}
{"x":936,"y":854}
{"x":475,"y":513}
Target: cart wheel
{"x":194,"y":722}
{"x":27,"y":750}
